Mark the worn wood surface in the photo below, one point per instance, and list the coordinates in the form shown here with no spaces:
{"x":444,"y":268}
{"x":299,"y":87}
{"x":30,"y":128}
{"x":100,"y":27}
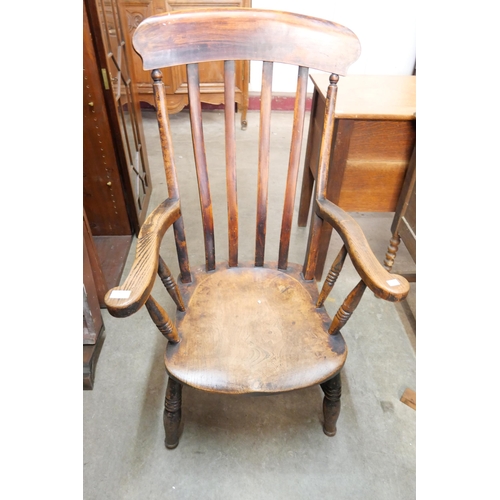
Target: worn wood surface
{"x":211,"y":73}
{"x":371,"y":148}
{"x":248,"y":34}
{"x":263,"y":172}
{"x":231,"y":184}
{"x":140,"y":280}
{"x":253,"y":330}
{"x":293,"y":166}
{"x":383,"y":284}
{"x":248,"y":327}
{"x":347,"y":308}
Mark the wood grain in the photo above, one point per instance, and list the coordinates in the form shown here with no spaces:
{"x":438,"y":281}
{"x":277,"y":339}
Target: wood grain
{"x":200,"y":158}
{"x":409,"y":398}
{"x":293,"y":166}
{"x":270,"y":338}
{"x":248,"y":34}
{"x":369,"y":268}
{"x":230,"y":143}
{"x":263,"y":171}
{"x":141,"y":278}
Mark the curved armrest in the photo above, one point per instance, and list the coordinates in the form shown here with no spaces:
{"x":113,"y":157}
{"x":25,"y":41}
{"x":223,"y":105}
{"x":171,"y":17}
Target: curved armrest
{"x":385,"y":285}
{"x":129,"y":297}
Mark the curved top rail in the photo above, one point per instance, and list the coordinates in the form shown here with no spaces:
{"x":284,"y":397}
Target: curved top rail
{"x":195,"y":36}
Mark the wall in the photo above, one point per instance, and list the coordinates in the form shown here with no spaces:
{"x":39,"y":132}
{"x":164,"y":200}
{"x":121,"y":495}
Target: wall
{"x":386,"y":30}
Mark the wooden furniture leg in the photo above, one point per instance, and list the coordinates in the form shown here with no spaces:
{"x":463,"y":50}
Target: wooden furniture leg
{"x":172,"y":414}
{"x":331,"y":404}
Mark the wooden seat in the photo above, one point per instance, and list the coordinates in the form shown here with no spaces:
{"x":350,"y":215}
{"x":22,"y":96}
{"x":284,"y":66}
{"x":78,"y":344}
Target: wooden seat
{"x":271,"y":338}
{"x":258,"y":327}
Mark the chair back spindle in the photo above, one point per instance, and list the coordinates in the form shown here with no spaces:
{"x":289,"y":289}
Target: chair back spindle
{"x":263,"y":172}
{"x":293,"y":166}
{"x":201,"y":164}
{"x":230,"y":142}
{"x":232,"y":35}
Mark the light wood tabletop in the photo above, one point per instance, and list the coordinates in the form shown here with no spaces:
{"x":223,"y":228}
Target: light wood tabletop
{"x":366,"y":97}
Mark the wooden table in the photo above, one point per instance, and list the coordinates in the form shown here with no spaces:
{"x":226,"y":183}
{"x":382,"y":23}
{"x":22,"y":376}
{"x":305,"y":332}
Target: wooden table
{"x":372,"y":145}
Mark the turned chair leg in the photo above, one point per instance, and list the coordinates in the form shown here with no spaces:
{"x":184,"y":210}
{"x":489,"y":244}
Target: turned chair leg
{"x":172,"y":413}
{"x":331,"y":404}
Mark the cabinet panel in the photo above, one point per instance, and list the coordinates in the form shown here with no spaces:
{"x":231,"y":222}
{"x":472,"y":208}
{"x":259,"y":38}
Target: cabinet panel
{"x":175,"y":79}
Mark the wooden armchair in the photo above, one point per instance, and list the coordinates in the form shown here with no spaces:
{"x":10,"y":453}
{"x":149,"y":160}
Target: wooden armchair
{"x":260,"y":327}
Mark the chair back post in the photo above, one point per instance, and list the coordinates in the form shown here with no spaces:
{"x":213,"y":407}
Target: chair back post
{"x":170,"y":172}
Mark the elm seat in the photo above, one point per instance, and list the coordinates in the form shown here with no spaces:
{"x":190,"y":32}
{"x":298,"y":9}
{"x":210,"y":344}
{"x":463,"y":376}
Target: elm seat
{"x":259,"y":327}
{"x":271,"y":338}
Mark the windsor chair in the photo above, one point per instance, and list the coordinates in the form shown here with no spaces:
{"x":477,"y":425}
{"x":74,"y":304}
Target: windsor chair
{"x":240,"y":328}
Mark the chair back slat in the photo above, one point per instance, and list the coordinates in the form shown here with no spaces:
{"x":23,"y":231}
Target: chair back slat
{"x":201,"y":164}
{"x":293,"y":166}
{"x":263,"y":166}
{"x":232,"y":198}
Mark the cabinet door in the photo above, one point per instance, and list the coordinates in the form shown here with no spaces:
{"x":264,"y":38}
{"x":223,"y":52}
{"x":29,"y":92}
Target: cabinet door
{"x":124,"y":111}
{"x":103,"y":197}
{"x":175,"y":79}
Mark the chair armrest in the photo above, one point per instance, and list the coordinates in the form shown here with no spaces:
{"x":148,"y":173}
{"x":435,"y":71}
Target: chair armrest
{"x":129,"y":297}
{"x":383,"y":284}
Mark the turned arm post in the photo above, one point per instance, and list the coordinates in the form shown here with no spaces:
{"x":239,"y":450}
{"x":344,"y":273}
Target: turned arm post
{"x":161,"y":320}
{"x":332,"y":276}
{"x":169,"y":283}
{"x":347,"y":308}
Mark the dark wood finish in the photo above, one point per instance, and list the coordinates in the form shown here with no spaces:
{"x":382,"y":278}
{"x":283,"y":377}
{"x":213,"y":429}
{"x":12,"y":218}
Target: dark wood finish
{"x":161,"y":320}
{"x":173,"y":413}
{"x":372,"y":144}
{"x":404,"y":224}
{"x":263,"y":175}
{"x":293,"y":166}
{"x":194,"y":37}
{"x":201,"y":164}
{"x":91,"y":354}
{"x":90,"y":249}
{"x":93,"y":324}
{"x":211,"y":73}
{"x":140,"y":280}
{"x":253,"y":330}
{"x":169,"y":283}
{"x":92,"y":318}
{"x":347,"y":308}
{"x":260,"y":327}
{"x":170,"y":174}
{"x":231,"y":184}
{"x":118,"y":187}
{"x":332,"y":276}
{"x":112,"y":252}
{"x":331,"y":404}
{"x":104,"y":200}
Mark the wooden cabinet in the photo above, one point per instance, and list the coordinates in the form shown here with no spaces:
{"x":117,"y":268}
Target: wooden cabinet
{"x":211,"y":74}
{"x":373,"y":141}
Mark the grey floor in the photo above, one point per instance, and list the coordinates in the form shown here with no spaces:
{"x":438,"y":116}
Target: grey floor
{"x":253,"y":447}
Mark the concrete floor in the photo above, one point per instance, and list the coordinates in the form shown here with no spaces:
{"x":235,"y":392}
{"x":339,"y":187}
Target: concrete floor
{"x":253,"y":447}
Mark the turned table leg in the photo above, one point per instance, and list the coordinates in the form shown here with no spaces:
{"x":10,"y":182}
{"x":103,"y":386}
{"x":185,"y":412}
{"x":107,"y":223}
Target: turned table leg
{"x":331,"y":404}
{"x":172,"y":413}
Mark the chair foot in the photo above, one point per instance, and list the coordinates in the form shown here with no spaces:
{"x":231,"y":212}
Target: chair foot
{"x":331,"y":404}
{"x":172,"y":413}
